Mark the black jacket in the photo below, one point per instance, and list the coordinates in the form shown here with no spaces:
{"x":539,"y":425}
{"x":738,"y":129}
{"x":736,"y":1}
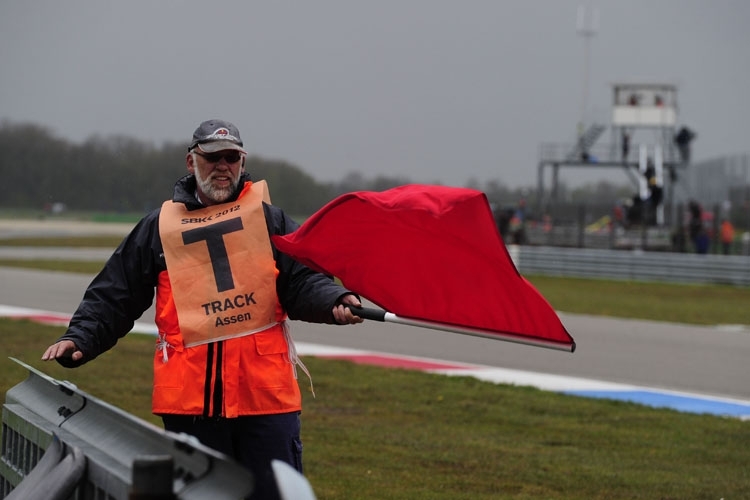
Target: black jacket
{"x":125,"y":287}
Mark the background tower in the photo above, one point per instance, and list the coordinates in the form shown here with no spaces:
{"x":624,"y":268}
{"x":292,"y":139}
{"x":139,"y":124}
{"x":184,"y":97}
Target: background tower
{"x":645,"y":114}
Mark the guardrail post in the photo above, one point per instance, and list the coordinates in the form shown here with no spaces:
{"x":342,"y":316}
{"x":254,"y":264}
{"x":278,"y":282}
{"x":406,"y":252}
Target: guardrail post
{"x":152,"y":478}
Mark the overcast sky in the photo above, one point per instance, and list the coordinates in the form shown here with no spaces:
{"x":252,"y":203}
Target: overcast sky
{"x":434,"y":90}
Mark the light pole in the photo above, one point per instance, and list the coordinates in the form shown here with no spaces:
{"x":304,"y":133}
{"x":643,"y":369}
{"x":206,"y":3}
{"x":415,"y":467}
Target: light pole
{"x":587,"y":24}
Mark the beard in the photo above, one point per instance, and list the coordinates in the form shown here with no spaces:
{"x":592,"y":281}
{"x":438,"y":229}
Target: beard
{"x":213,"y":193}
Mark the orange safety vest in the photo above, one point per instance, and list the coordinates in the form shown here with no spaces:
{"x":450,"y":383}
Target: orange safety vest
{"x":727,"y":232}
{"x":222,"y":347}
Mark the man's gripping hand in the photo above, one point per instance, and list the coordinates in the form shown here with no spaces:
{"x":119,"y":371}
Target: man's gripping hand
{"x":344,"y":315}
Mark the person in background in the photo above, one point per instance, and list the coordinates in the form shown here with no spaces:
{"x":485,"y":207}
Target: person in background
{"x":727,"y":236}
{"x":518,"y":223}
{"x":702,"y":242}
{"x":695,"y":224}
{"x":625,"y":146}
{"x":224,"y":362}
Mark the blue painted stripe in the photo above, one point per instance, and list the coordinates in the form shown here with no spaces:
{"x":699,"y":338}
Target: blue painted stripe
{"x":691,"y":404}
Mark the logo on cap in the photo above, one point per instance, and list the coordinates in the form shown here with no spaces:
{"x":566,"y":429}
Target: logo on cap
{"x":221,"y":134}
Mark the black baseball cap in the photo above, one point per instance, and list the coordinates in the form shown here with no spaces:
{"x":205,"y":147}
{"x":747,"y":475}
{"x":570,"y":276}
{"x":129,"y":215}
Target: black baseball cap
{"x":216,"y":135}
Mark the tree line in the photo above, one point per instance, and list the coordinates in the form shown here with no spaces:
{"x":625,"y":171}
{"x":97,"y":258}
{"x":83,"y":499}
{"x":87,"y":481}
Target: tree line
{"x":123,"y":174}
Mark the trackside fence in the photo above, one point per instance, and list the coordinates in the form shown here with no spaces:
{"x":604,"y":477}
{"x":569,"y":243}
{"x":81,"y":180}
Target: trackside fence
{"x":126,"y":458}
{"x":634,"y":265}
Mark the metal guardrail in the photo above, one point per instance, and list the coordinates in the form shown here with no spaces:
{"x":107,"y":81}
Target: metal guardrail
{"x":632,"y":265}
{"x":112,"y":442}
{"x":571,"y":235}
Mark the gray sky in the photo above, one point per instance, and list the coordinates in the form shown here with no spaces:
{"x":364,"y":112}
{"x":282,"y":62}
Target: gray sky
{"x":435,"y":90}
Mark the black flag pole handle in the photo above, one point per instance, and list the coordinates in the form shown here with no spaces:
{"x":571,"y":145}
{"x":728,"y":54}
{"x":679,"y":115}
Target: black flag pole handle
{"x":367,"y":312}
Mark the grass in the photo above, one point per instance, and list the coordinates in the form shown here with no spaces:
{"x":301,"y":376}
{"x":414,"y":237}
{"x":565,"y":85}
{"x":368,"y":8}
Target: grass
{"x":121,"y":376}
{"x":694,"y":304}
{"x":374,"y":433}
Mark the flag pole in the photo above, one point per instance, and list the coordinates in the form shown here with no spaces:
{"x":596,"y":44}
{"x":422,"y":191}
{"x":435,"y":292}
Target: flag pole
{"x":385,"y":316}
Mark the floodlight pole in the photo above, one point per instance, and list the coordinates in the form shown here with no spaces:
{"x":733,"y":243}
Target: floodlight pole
{"x":587,"y":25}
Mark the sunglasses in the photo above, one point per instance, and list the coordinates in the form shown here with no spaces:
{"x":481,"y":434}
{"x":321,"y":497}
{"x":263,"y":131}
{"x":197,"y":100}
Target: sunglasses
{"x":229,"y":157}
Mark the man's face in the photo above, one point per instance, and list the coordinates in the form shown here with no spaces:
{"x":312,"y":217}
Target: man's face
{"x":217,"y":174}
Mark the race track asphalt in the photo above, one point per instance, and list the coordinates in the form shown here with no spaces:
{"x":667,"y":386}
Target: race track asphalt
{"x":675,"y":357}
{"x":620,"y":355}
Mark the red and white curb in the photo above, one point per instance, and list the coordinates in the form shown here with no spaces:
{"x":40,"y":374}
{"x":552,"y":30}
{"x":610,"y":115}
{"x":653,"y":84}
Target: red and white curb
{"x":681,"y":401}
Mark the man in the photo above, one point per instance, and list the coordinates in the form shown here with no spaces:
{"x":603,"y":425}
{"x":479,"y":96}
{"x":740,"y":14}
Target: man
{"x":224,"y":366}
{"x":727,"y":236}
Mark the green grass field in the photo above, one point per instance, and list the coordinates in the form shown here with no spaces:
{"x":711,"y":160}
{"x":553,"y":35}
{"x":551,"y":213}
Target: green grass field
{"x":377,"y":433}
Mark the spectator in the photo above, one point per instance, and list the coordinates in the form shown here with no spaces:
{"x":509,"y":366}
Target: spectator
{"x":702,"y":242}
{"x":518,"y":223}
{"x":683,"y":139}
{"x":727,"y":236}
{"x":695,"y":225}
{"x":625,"y":146}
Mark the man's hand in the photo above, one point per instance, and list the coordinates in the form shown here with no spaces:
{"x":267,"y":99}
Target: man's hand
{"x":344,"y":315}
{"x":64,"y":348}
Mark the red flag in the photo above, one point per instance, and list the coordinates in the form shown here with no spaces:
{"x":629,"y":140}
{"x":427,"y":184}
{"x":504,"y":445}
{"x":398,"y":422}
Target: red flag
{"x":429,"y":253}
